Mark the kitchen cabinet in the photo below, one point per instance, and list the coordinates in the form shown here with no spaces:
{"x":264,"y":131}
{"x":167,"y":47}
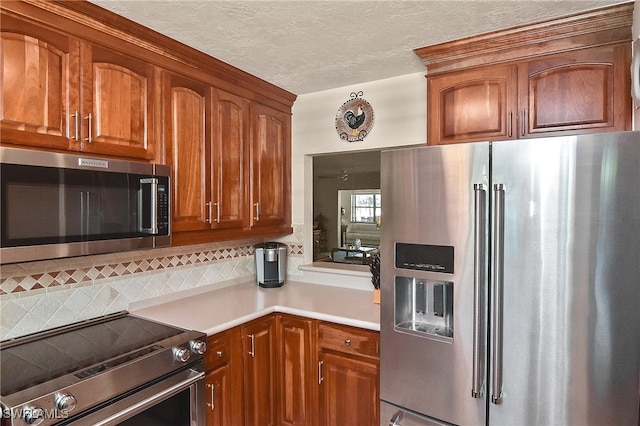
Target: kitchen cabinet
{"x":61,"y":92}
{"x":297,"y":361}
{"x":566,"y":93}
{"x":557,"y":77}
{"x":259,"y":374}
{"x":223,"y":394}
{"x":349,"y":375}
{"x":270,"y":167}
{"x":187,"y":129}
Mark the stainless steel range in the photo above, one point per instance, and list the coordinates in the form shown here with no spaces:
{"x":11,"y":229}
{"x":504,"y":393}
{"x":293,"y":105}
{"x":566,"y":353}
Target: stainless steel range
{"x":116,"y":369}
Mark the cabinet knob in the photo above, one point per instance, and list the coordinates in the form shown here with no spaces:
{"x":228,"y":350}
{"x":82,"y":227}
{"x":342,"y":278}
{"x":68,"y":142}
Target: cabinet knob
{"x":219,"y":353}
{"x":347,"y":342}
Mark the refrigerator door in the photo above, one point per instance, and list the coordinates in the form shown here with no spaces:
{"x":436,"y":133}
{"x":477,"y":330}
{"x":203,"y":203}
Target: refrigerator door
{"x":427,"y":287}
{"x":570,"y":329}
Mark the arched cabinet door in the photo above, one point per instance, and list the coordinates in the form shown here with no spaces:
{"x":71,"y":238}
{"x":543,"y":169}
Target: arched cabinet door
{"x":577,"y":92}
{"x":38,"y":85}
{"x":117,"y":104}
{"x":472,"y":105}
{"x":270,"y":167}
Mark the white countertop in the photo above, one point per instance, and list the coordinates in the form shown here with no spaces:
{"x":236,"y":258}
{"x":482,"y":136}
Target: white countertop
{"x":218,"y":310}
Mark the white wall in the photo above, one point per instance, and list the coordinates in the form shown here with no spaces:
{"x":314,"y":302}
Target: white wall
{"x":400,"y":118}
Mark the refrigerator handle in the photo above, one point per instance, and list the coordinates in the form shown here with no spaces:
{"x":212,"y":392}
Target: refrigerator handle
{"x":497,"y":292}
{"x":479,"y":285}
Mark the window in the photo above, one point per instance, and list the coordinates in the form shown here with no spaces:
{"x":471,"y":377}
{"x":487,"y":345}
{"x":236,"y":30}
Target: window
{"x":365,"y":207}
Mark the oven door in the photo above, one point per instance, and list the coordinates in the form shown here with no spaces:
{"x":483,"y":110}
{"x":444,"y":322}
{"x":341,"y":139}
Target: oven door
{"x":177,"y":400}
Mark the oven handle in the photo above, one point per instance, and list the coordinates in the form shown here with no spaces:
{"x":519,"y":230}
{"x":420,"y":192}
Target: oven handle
{"x":194,"y":376}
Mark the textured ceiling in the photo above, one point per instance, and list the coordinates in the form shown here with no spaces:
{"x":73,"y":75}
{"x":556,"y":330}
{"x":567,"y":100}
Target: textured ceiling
{"x":309,"y":46}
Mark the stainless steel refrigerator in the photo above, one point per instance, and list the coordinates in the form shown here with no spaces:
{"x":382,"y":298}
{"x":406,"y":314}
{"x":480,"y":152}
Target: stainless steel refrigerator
{"x":511,"y":282}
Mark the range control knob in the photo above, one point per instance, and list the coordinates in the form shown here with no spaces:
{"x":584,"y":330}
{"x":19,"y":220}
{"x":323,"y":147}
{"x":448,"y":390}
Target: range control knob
{"x":33,"y":415}
{"x":182,"y":354}
{"x":65,"y":402}
{"x":198,"y":346}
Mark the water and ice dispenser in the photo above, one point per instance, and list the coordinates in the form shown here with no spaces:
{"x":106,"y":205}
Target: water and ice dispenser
{"x":424,"y":306}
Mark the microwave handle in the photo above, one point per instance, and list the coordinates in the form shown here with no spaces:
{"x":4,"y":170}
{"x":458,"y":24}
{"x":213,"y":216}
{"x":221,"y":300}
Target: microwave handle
{"x":153,"y":210}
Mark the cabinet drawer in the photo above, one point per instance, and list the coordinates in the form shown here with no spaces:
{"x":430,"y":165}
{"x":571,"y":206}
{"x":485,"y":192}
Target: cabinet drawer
{"x":349,"y":340}
{"x":218,"y":351}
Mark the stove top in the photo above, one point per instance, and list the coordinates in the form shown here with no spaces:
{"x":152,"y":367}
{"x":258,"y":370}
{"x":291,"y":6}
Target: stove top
{"x":120,"y":350}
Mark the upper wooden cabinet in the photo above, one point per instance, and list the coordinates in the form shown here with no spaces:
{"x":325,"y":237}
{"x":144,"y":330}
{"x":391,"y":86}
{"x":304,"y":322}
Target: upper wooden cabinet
{"x":564,"y":76}
{"x":187,"y":135}
{"x":117,"y":110}
{"x":39,"y":84}
{"x":63,"y":93}
{"x":270,"y":167}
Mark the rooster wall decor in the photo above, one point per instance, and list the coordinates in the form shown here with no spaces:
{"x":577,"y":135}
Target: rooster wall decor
{"x":354,"y":118}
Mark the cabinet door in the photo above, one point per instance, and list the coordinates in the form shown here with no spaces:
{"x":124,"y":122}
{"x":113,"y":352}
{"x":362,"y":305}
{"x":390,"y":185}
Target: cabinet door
{"x":472,"y":105}
{"x":348,"y":391}
{"x":270,"y":167}
{"x":578,"y":92}
{"x":230,"y":155}
{"x":39,"y":85}
{"x":218,"y":397}
{"x":258,"y":341}
{"x":297,"y":370}
{"x":117,"y":104}
{"x":186,"y":143}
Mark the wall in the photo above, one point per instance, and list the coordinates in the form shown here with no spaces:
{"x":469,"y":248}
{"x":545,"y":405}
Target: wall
{"x":399,"y":106}
{"x":36,"y":296}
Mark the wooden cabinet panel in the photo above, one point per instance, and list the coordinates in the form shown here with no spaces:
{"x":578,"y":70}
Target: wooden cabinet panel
{"x":258,"y":342}
{"x":471,"y":105}
{"x":579,"y":92}
{"x":223,"y":388}
{"x":349,"y":391}
{"x":217,"y":390}
{"x":38,"y":85}
{"x":230,"y":157}
{"x":186,"y":144}
{"x":270,"y":167}
{"x":296,"y":371}
{"x":118,"y":104}
{"x":349,"y":340}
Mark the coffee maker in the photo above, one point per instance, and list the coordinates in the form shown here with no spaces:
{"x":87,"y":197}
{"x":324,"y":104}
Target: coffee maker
{"x":271,"y":264}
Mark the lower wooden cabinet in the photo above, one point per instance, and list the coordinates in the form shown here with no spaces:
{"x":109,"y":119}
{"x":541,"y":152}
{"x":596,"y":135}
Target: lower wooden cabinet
{"x":288,"y":370}
{"x":349,"y":368}
{"x":223,"y":380}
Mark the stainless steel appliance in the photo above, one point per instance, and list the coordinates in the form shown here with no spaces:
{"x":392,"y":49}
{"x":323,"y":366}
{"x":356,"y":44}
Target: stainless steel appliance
{"x":58,"y":205}
{"x":117,"y":369}
{"x":510,"y":282}
{"x":271,"y":264}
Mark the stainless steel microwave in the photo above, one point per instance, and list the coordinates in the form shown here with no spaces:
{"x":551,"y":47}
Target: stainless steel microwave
{"x":58,"y":205}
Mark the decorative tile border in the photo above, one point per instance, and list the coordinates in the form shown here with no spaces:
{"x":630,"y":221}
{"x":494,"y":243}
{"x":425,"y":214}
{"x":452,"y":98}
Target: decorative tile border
{"x":37,"y":281}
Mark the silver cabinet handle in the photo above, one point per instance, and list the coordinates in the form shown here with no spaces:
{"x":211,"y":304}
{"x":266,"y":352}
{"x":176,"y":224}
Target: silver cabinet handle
{"x":510,"y":123}
{"x":76,"y":120}
{"x":524,"y":122}
{"x":479,"y":283}
{"x":211,"y":404}
{"x":252,"y":351}
{"x":395,"y":420}
{"x":208,"y":209}
{"x":89,"y":136}
{"x":320,"y":378}
{"x":257,"y":216}
{"x":497,"y":292}
{"x":217,"y":211}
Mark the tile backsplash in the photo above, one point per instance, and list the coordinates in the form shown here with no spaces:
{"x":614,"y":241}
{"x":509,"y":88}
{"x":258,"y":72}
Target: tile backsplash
{"x":35,"y":296}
